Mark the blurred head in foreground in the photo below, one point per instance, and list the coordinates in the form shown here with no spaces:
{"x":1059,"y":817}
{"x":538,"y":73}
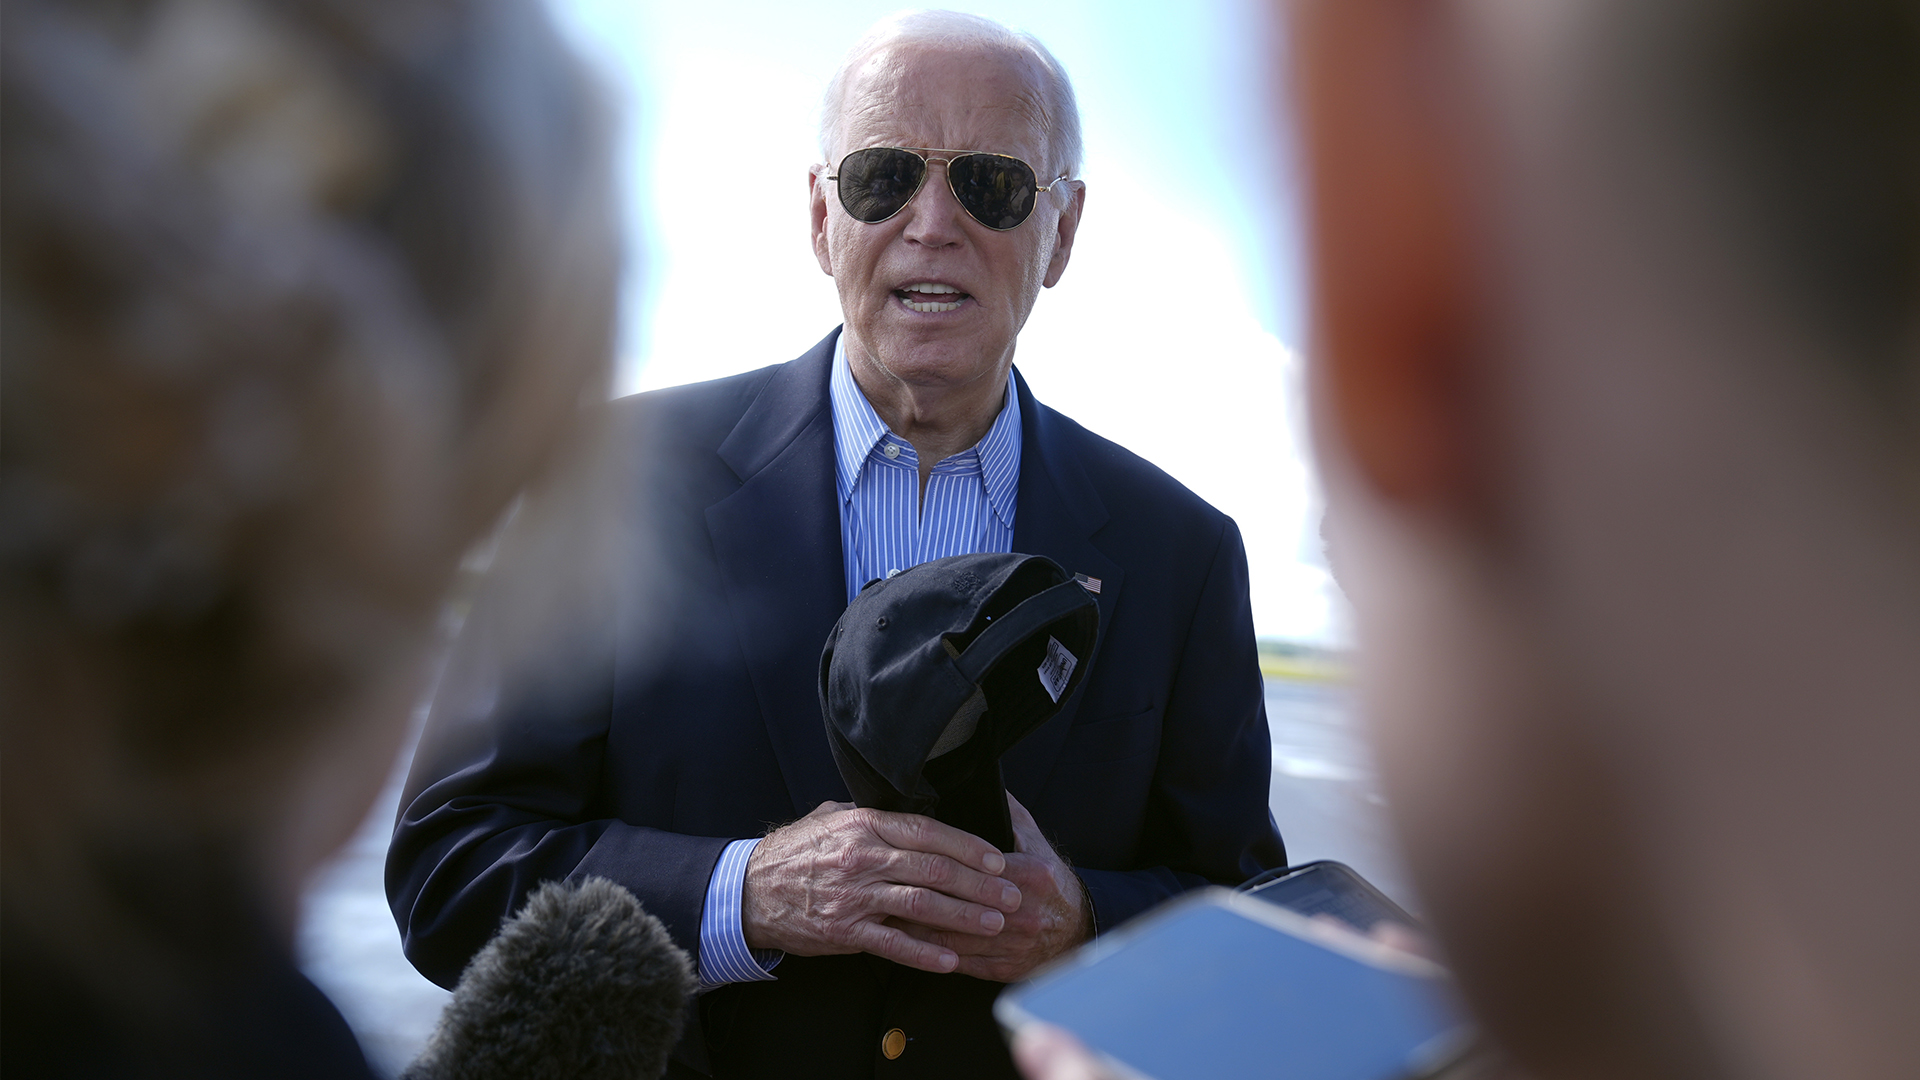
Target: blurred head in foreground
{"x":296,"y":296}
{"x":1618,"y":391}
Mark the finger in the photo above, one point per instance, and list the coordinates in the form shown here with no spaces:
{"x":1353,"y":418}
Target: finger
{"x":1045,"y":1052}
{"x":1402,"y":937}
{"x":889,"y":943}
{"x":916,"y":832}
{"x":1020,"y":814}
{"x":1027,"y":837}
{"x":829,"y":807}
{"x":1334,"y":930}
{"x":1014,"y":944}
{"x":991,"y":968}
{"x":1028,"y":870}
{"x":964,"y":944}
{"x":938,"y":910}
{"x":941,"y":874}
{"x":1036,"y":878}
{"x":1324,"y":921}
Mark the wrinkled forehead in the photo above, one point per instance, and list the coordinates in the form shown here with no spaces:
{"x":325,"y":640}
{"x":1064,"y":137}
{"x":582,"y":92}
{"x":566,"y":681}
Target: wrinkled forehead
{"x":965,"y":98}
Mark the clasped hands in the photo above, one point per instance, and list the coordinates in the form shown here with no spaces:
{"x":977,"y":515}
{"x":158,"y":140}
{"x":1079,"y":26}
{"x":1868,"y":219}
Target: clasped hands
{"x":913,"y":890}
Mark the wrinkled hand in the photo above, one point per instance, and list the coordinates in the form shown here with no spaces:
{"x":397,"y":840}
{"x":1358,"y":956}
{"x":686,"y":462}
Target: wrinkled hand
{"x":830,"y":882}
{"x":1050,"y":920}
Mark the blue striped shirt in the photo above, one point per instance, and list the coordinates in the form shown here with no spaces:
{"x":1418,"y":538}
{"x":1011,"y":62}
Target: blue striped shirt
{"x":884,"y":528}
{"x":724,"y":956}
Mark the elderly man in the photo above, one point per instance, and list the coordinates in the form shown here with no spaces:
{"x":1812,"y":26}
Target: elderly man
{"x":852,"y":941}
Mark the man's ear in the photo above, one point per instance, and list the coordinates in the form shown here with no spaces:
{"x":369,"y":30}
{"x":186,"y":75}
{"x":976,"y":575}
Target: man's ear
{"x":1392,"y":277}
{"x":1064,"y":232}
{"x":817,"y":211}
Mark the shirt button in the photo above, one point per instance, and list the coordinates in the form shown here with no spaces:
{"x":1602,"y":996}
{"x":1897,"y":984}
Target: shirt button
{"x":893,"y":1043}
{"x":892,"y":451}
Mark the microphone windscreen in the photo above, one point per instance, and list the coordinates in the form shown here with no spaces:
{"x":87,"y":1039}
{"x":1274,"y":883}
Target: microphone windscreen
{"x":582,"y":984}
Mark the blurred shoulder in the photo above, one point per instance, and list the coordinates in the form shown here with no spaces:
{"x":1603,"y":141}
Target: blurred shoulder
{"x":701,"y":413}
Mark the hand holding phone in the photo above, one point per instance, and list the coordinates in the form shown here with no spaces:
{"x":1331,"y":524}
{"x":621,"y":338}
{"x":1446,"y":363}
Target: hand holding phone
{"x":1219,"y":984}
{"x":1332,"y":889}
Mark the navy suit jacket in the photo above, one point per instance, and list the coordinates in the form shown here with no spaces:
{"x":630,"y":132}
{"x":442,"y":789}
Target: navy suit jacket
{"x":704,"y":725}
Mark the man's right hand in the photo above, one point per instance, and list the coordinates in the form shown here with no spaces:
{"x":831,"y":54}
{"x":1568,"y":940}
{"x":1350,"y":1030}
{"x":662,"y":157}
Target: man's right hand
{"x":827,"y":883}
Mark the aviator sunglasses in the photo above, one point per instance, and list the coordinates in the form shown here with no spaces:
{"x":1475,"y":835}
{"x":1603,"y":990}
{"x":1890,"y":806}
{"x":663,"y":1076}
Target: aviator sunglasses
{"x":995,"y":190}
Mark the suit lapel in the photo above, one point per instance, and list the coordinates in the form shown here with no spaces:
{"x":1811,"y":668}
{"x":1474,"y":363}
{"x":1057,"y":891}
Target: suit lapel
{"x":1057,"y":514}
{"x":777,"y":542}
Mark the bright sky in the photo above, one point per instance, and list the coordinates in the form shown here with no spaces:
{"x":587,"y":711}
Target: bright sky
{"x":1176,"y":329}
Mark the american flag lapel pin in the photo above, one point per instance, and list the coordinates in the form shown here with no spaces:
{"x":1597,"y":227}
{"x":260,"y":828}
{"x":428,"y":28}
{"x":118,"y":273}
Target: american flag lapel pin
{"x":1091,"y":584}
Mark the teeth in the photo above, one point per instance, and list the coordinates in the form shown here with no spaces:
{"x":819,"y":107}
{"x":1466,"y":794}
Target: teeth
{"x":925,"y":288}
{"x":915,"y":305}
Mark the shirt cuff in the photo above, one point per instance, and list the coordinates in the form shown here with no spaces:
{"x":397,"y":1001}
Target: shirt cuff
{"x":724,"y":956}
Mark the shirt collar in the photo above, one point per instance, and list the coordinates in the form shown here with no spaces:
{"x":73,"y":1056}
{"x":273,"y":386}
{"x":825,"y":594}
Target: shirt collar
{"x":857,"y":428}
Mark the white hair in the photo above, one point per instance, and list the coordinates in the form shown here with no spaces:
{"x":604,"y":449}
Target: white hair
{"x":1060,"y":113}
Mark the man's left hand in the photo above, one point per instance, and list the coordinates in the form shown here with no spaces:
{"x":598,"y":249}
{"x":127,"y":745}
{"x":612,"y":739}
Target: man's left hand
{"x":1050,"y":920}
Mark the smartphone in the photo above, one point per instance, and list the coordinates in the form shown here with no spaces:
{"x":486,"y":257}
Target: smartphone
{"x":1218,"y":984}
{"x":1330,"y":888}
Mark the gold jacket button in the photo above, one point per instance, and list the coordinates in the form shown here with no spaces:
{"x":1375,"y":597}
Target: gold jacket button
{"x":893,"y":1043}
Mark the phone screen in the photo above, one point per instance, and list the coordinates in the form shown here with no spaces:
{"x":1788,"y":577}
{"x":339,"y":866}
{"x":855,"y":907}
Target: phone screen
{"x":1217,"y":985}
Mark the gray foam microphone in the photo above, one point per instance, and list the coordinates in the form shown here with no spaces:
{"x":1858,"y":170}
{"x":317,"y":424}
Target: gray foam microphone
{"x":582,"y":984}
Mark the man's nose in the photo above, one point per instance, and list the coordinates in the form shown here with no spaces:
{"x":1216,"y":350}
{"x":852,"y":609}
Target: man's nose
{"x":935,"y":216}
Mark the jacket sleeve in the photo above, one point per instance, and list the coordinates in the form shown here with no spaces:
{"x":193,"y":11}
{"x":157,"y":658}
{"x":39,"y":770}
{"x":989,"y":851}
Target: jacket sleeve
{"x":505,"y":793}
{"x":1207,"y":819}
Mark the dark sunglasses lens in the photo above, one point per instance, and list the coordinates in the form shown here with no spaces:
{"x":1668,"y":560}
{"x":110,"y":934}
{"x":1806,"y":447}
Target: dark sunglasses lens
{"x":998,"y":191}
{"x":875,"y":183}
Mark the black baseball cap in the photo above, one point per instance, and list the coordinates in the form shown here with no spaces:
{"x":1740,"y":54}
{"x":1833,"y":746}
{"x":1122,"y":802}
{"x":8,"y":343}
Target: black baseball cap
{"x":931,"y":674}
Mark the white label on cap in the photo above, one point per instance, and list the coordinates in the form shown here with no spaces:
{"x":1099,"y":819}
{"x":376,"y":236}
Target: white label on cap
{"x":1056,"y":668}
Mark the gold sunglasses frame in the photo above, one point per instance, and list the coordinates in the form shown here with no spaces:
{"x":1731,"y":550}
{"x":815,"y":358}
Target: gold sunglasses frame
{"x":927,"y":158}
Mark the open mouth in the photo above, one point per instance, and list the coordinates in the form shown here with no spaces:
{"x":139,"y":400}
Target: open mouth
{"x":927,"y":296}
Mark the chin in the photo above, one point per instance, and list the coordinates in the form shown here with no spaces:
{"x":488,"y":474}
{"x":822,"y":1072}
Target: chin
{"x":940,"y":362}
